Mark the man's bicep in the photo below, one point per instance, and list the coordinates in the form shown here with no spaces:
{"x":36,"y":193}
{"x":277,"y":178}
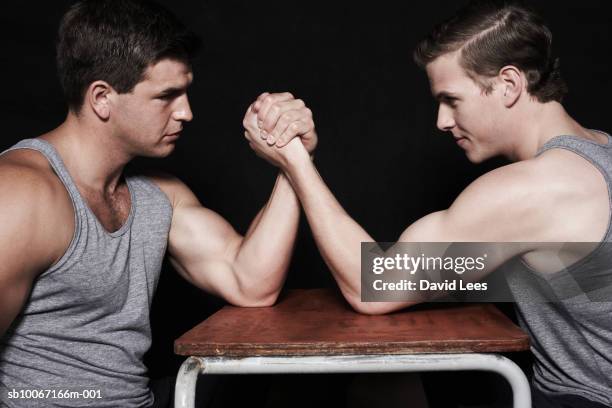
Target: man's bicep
{"x":491,"y":213}
{"x":202,"y":244}
{"x":203,"y":247}
{"x":459,"y":223}
{"x":430,"y":228}
{"x":473,"y":217}
{"x":504,"y":205}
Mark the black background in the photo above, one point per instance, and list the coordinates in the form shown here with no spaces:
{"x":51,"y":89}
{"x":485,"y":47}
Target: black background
{"x":379,"y":149}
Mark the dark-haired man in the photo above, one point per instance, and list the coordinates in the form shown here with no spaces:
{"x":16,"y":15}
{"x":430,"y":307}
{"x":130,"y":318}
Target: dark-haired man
{"x":499,"y":90}
{"x":82,"y":243}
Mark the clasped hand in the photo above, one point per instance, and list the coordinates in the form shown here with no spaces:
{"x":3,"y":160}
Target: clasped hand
{"x":280,"y":128}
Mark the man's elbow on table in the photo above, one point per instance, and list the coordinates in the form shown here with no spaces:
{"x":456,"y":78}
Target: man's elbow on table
{"x":266,"y":301}
{"x":376,"y":308}
{"x":353,"y":298}
{"x":255,"y":296}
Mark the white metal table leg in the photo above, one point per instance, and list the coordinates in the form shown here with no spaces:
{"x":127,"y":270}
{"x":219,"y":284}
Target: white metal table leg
{"x":354,"y":364}
{"x":184,"y":392}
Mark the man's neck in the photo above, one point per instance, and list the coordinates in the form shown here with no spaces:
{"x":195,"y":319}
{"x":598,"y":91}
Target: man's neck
{"x":536,"y":123}
{"x":92,"y":156}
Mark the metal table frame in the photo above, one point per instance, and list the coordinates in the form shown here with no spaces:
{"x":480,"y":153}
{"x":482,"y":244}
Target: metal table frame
{"x":188,"y":373}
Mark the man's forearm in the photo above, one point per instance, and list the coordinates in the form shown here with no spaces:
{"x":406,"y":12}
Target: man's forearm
{"x":264,"y":255}
{"x":337,"y":235}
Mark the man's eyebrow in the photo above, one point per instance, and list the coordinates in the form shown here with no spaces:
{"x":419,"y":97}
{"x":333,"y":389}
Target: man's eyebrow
{"x":173,"y":90}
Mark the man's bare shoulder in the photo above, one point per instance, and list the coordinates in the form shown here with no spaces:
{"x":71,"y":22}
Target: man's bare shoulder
{"x":177,"y":192}
{"x":510,"y":184}
{"x":27,"y":172}
{"x":34,"y":202}
{"x":569,"y":167}
{"x":580,"y":191}
{"x":37,"y":222}
{"x":548,"y":198}
{"x":567,"y":178}
{"x":553,"y":174}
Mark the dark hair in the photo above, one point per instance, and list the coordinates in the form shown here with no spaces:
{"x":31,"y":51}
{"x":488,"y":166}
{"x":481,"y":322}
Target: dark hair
{"x":115,"y":41}
{"x":493,"y":34}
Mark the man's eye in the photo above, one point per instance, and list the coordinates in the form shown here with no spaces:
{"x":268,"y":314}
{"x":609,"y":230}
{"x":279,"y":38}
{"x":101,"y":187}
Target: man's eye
{"x":452,"y":102}
{"x":168,"y":96}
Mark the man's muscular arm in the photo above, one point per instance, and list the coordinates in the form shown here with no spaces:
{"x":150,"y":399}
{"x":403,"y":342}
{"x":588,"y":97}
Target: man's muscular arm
{"x":36,"y":220}
{"x":503,"y":206}
{"x":208,"y":252}
{"x":244,"y":270}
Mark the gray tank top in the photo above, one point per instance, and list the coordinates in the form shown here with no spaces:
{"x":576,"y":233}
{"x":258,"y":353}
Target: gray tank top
{"x":571,"y":335}
{"x":86,"y":325}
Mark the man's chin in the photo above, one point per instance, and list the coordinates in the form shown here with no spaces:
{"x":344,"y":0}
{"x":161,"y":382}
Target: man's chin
{"x":161,"y":152}
{"x":475,"y":158}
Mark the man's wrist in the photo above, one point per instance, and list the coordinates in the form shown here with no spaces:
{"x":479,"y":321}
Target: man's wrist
{"x":293,"y":154}
{"x":295,"y":160}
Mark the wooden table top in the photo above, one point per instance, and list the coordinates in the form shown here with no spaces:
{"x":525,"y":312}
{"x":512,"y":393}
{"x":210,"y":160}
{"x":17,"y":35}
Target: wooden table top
{"x":319,"y":322}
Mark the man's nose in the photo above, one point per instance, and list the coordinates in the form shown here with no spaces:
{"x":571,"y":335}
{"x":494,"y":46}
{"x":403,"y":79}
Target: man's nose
{"x":183,"y":111}
{"x":446,"y":120}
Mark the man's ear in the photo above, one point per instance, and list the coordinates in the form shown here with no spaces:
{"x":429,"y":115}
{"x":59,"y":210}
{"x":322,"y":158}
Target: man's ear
{"x":512,"y":84}
{"x":98,"y":97}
